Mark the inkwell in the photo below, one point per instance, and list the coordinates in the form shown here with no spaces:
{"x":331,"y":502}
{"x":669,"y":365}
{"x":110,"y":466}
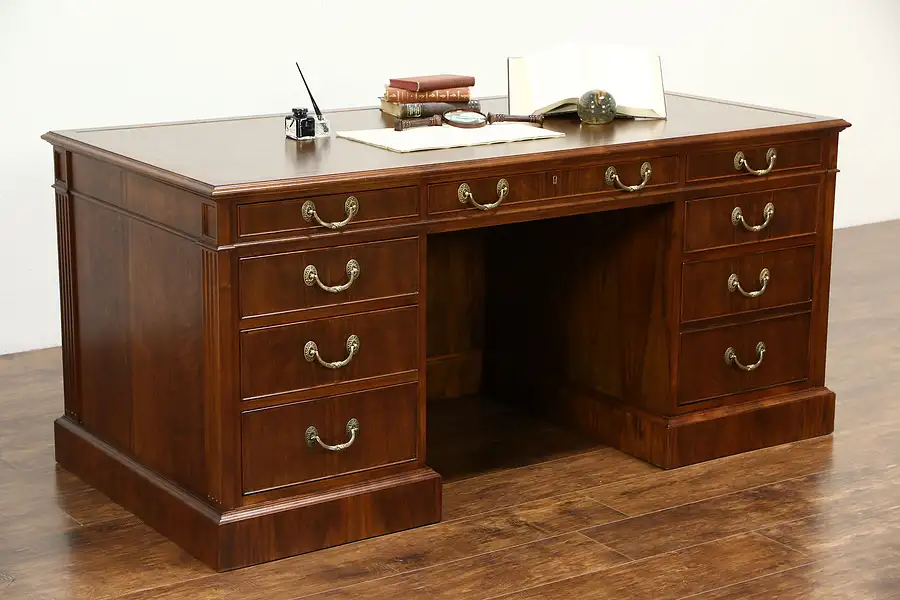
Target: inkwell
{"x":300,"y":125}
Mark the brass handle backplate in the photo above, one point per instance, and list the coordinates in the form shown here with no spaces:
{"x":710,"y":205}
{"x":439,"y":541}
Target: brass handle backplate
{"x":351,"y":208}
{"x":311,"y":352}
{"x":732,"y":359}
{"x":312,"y":437}
{"x":311,"y":278}
{"x":734,"y":284}
{"x":740,"y":163}
{"x":464,"y":193}
{"x":737,"y":218}
{"x":612,"y":178}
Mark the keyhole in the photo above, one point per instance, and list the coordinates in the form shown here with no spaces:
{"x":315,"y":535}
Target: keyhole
{"x":554,"y":179}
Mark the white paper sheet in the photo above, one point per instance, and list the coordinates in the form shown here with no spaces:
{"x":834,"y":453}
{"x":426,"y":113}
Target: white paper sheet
{"x":446,"y":136}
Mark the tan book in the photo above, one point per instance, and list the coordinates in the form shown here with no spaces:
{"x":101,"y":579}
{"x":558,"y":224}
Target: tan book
{"x":462,"y":94}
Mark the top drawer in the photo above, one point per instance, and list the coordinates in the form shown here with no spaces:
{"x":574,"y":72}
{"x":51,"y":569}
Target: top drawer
{"x":325,"y":213}
{"x":726,"y":163}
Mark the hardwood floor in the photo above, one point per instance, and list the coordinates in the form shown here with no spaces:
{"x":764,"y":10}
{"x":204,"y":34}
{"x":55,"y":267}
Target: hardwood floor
{"x":812,"y":519}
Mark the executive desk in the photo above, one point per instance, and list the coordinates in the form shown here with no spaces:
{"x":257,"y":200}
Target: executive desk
{"x":252,"y":326}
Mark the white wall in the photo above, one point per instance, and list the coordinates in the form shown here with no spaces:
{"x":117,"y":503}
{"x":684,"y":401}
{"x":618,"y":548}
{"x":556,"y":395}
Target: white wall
{"x":107,"y":62}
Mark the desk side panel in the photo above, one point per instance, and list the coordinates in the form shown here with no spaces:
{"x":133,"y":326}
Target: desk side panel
{"x":140,"y":330}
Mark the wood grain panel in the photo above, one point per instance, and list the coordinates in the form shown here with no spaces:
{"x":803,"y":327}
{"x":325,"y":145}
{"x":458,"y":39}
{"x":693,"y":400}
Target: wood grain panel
{"x":273,"y":362}
{"x":96,"y":178}
{"x":167,"y":355}
{"x":274,"y":283}
{"x":703,"y":373}
{"x":455,"y":317}
{"x":708,"y":220}
{"x":705,"y":291}
{"x":720,"y":163}
{"x":103,"y":322}
{"x":286,"y":217}
{"x":168,"y":205}
{"x":274,"y":448}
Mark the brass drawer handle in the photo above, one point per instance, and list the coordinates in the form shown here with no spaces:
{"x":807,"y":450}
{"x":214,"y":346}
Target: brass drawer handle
{"x":312,"y":437}
{"x":735,"y":284}
{"x":612,"y":178}
{"x":351,"y":207}
{"x":464,"y":193}
{"x":311,"y":278}
{"x":737,"y":218}
{"x":740,"y":162}
{"x":732,"y":359}
{"x":311,"y":352}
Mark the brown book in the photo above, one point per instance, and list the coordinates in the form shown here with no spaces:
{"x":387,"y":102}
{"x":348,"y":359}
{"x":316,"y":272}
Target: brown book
{"x":459,"y":94}
{"x":427,"y":83}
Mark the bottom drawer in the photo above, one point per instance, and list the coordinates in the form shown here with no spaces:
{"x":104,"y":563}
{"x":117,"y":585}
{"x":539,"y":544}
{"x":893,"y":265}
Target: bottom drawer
{"x":278,"y":448}
{"x":704,"y":373}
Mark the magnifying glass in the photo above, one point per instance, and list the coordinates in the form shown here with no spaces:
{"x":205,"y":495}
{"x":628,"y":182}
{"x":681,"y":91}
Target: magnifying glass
{"x":466,"y":119}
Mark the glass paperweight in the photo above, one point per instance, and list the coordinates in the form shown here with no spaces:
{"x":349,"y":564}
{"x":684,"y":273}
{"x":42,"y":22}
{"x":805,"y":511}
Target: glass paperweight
{"x":596,"y":107}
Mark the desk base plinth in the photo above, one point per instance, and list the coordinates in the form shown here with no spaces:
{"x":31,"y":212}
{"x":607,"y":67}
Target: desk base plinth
{"x":256,"y":533}
{"x":677,"y":441}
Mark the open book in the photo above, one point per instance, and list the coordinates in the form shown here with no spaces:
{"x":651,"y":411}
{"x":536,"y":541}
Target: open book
{"x":551,"y":81}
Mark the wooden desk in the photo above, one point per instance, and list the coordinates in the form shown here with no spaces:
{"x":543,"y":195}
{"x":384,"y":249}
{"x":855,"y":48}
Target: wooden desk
{"x":213,"y":328}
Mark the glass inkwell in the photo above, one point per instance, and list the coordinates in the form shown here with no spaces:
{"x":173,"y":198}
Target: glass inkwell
{"x":300,"y":125}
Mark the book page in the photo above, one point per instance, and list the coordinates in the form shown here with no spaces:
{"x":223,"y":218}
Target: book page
{"x":632,"y":75}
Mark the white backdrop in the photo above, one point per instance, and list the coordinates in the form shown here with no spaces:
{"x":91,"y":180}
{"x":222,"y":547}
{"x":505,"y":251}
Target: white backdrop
{"x":67,"y":64}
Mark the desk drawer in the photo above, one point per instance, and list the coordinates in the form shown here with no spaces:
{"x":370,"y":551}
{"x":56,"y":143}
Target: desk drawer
{"x":713,"y":288}
{"x":724,"y":163}
{"x":283,"y":359}
{"x":728,"y":220}
{"x":450,"y":197}
{"x":703,"y":372}
{"x":592,"y":180}
{"x":278,"y":447}
{"x":289,"y":281}
{"x":288,"y":217}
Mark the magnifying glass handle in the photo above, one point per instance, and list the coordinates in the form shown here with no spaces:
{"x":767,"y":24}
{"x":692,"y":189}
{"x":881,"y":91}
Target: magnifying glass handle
{"x":499,"y":117}
{"x":402,"y":124}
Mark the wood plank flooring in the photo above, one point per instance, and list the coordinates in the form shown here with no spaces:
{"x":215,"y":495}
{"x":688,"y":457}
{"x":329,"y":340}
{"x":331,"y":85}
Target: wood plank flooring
{"x":813,"y":519}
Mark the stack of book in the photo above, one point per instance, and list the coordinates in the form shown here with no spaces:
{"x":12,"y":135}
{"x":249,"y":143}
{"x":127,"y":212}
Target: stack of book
{"x":428,"y":95}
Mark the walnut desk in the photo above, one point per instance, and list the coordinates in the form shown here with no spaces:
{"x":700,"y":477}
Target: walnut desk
{"x":252,"y":326}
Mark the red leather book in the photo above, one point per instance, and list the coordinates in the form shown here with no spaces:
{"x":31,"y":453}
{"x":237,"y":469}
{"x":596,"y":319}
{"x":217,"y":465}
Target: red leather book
{"x":459,"y":94}
{"x":426,"y":83}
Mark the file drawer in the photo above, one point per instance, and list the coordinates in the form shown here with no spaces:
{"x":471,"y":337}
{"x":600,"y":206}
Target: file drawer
{"x":290,"y":281}
{"x":305,"y":441}
{"x":315,"y":354}
{"x":751,"y":217}
{"x":775,"y":350}
{"x":744,"y":283}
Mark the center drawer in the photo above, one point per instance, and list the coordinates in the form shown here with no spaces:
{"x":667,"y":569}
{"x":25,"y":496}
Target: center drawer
{"x":289,"y":358}
{"x":705,"y":373}
{"x":279,"y":445}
